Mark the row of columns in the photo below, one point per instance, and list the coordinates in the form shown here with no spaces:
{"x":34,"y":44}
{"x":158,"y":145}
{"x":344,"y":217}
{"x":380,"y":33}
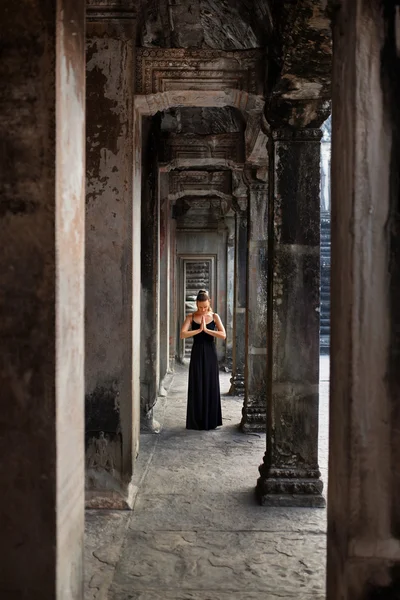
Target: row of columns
{"x":42,"y":277}
{"x":276,"y":324}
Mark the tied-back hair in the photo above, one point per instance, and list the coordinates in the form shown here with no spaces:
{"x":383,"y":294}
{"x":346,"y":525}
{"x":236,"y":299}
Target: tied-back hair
{"x":203,"y":296}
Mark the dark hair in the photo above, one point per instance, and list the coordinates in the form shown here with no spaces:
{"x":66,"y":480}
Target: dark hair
{"x":202,"y":296}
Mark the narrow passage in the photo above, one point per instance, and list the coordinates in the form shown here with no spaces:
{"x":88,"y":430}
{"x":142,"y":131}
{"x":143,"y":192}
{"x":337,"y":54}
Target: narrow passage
{"x":196,"y":531}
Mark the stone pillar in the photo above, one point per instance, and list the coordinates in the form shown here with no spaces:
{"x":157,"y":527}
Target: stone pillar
{"x":111,"y":241}
{"x":255,"y":394}
{"x":150,"y":280}
{"x":42,"y":183}
{"x":239,"y":311}
{"x":364,"y":453}
{"x":230,"y":279}
{"x":165,"y":276}
{"x":290,"y":475}
{"x":173,"y":305}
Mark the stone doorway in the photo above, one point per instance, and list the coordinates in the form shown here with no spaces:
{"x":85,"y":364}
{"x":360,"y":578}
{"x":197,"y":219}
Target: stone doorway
{"x":195,"y":272}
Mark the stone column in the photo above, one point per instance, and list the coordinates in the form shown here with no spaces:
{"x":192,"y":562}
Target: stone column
{"x":239,"y":311}
{"x":165,"y":276}
{"x":150,"y":279}
{"x":42,"y":188}
{"x":111,"y":242}
{"x":230,"y":279}
{"x":364,"y":452}
{"x":255,"y":394}
{"x":290,"y":475}
{"x":173,"y":305}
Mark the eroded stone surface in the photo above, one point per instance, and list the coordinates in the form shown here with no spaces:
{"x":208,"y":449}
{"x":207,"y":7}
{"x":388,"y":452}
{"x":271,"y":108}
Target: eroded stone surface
{"x":204,"y":595}
{"x":104,"y":537}
{"x":196,"y":531}
{"x":213,"y":560}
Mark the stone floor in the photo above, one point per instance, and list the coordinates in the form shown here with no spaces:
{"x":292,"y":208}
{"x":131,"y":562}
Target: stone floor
{"x":196,"y":531}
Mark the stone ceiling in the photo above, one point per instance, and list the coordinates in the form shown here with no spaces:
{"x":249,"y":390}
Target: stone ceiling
{"x":219,"y":24}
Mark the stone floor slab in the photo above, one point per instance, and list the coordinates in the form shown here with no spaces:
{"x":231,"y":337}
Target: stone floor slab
{"x":214,"y":511}
{"x":104,"y":535}
{"x":292,"y":564}
{"x":178,"y":594}
{"x":196,"y":532}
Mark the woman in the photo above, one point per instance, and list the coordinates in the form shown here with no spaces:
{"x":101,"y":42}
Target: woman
{"x":204,"y":400}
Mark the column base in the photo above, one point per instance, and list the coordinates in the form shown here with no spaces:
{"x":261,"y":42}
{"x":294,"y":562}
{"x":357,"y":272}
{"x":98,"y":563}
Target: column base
{"x":237,"y":385}
{"x":115,"y":497}
{"x":148,"y":423}
{"x":290,"y":487}
{"x":254,"y":419}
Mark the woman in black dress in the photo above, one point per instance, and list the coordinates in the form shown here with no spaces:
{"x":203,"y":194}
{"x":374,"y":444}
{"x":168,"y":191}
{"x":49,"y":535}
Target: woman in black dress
{"x":204,"y":400}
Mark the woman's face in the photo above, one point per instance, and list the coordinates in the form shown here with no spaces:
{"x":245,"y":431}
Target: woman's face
{"x":203,"y":306}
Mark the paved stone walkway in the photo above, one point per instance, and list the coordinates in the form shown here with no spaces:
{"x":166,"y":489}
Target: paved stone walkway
{"x":196,"y":532}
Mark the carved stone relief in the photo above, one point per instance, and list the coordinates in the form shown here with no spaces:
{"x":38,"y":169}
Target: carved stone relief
{"x":227,"y":146}
{"x":202,"y":180}
{"x":167,"y":69}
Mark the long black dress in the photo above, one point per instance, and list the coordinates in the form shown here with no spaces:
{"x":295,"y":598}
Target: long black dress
{"x":204,"y":399}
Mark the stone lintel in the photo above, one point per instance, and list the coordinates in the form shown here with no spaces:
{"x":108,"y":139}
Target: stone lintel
{"x":188,"y":164}
{"x":150,"y":104}
{"x":190,"y":193}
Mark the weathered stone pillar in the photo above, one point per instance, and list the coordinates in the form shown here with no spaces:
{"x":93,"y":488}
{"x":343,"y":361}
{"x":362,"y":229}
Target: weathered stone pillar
{"x":290,"y":475}
{"x":42,"y":189}
{"x":364,"y":453}
{"x":173,"y":305}
{"x":165,"y":274}
{"x":111,"y":242}
{"x":230,"y":279}
{"x":239,"y":311}
{"x":150,"y":280}
{"x":255,"y":394}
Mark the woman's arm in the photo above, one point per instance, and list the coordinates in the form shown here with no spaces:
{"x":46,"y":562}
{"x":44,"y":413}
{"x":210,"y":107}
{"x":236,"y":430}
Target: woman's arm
{"x":220,"y":332}
{"x":185,"y":333}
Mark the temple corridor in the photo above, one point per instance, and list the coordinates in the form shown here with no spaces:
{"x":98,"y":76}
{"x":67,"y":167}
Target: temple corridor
{"x":196,"y":530}
{"x":150,"y":149}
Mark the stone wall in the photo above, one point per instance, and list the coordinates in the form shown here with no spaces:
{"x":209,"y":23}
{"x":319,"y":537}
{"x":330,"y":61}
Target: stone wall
{"x":42,"y":122}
